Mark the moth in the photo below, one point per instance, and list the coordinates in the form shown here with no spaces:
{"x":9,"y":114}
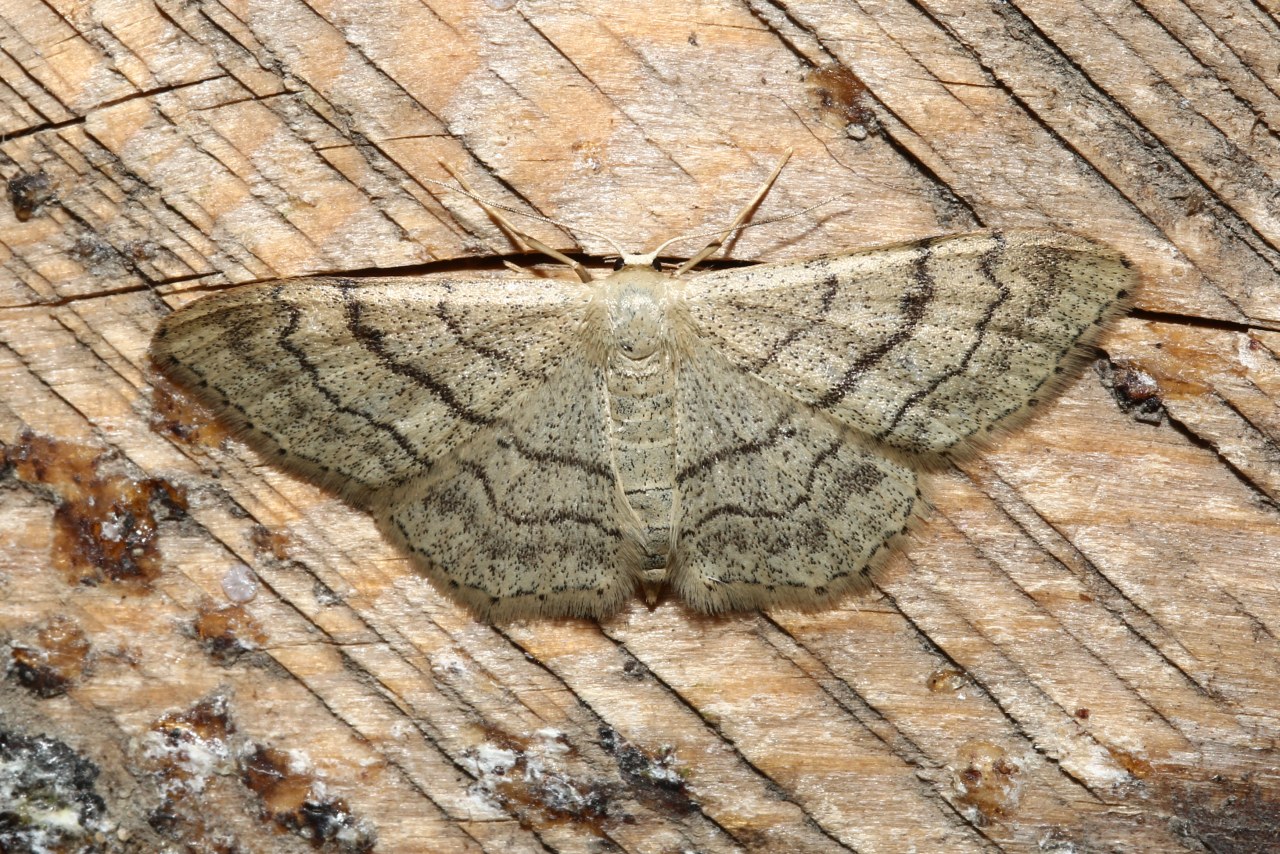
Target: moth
{"x":743,"y":438}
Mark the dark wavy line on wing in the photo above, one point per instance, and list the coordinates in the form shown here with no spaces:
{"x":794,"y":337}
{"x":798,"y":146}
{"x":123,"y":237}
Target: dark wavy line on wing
{"x":831,"y":286}
{"x":599,"y":470}
{"x":754,"y":446}
{"x":295,"y":314}
{"x":800,"y":501}
{"x":459,"y":336}
{"x":548,"y":518}
{"x":204,"y":387}
{"x":372,"y":340}
{"x":986,"y":266}
{"x":913,"y":305}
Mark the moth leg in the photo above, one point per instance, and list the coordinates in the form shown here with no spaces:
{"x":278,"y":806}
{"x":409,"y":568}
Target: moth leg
{"x":518,"y":237}
{"x":711,"y":248}
{"x":516,"y":268}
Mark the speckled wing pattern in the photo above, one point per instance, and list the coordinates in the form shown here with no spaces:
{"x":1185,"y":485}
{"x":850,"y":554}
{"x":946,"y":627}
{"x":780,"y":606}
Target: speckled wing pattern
{"x":527,"y":517}
{"x":461,"y":413}
{"x":923,"y":345}
{"x":474,"y":418}
{"x":363,"y":384}
{"x":779,"y":503}
{"x":833,"y":379}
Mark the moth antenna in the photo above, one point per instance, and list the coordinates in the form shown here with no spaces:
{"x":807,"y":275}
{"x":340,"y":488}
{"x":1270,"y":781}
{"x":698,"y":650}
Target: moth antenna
{"x":712,"y":247}
{"x":755,"y":223}
{"x":503,"y":223}
{"x":521,"y":239}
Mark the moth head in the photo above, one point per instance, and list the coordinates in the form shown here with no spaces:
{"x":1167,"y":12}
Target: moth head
{"x":649,"y":260}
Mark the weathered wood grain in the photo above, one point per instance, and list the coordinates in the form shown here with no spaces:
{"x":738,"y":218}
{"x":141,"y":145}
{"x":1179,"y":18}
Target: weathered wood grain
{"x":1078,"y":650}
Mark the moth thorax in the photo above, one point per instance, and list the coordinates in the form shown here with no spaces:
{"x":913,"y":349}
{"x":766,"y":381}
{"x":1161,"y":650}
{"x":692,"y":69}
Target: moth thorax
{"x":636,"y":303}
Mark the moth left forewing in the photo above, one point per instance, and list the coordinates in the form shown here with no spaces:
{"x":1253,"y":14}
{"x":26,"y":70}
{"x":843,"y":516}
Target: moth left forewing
{"x":922,"y":346}
{"x":466,"y":414}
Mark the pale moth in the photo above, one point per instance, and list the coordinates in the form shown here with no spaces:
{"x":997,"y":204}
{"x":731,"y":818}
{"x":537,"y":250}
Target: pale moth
{"x":744,"y":438}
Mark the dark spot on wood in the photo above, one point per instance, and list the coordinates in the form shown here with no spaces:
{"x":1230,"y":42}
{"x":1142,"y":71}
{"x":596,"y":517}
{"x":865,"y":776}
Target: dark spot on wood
{"x":29,"y":194}
{"x":227,"y":632}
{"x":946,"y":680}
{"x":52,"y":659}
{"x":270,"y":541}
{"x":1134,"y":389}
{"x":182,"y":418}
{"x":990,"y":779}
{"x":842,"y":100}
{"x":106,"y":519}
{"x":650,"y":778}
{"x":51,"y":802}
{"x":295,"y":802}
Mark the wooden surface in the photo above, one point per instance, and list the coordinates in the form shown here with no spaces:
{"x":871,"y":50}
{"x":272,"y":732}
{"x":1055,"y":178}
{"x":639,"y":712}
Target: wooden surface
{"x":1078,"y":651}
